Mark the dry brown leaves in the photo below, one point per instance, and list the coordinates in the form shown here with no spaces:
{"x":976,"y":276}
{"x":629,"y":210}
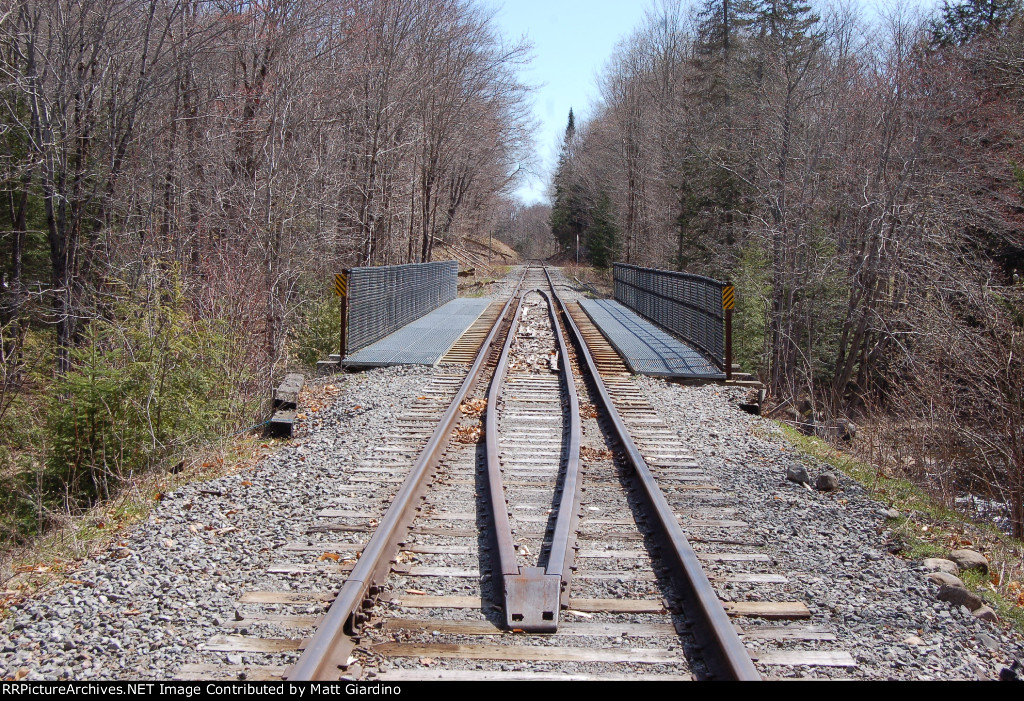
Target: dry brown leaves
{"x":474,"y":407}
{"x":10,"y":596}
{"x":313,"y":398}
{"x":406,"y":556}
{"x":588,"y":411}
{"x":28,"y":578}
{"x":1016,"y":590}
{"x":535,"y":364}
{"x":469,"y":434}
{"x":592,"y":454}
{"x":40,"y":568}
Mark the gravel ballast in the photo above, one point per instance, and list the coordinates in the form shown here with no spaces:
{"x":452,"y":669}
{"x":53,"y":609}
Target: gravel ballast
{"x":143,"y":607}
{"x":832,"y":546}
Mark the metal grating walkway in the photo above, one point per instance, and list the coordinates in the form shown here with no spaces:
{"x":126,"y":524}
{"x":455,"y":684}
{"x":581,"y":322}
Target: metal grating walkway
{"x":425,"y":340}
{"x":647,"y":349}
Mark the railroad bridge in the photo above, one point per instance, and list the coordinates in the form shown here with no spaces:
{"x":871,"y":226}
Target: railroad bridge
{"x":531,"y":487}
{"x":660,"y":323}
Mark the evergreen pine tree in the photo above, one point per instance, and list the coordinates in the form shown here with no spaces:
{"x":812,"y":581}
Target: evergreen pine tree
{"x":568,"y":212}
{"x":603,"y":234}
{"x":962,"y":21}
{"x":708,"y":194}
{"x":787,"y":24}
{"x":720,"y":24}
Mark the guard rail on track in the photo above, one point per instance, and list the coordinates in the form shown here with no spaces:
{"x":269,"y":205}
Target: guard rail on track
{"x":380,"y":300}
{"x":690,"y":306}
{"x":330,"y":645}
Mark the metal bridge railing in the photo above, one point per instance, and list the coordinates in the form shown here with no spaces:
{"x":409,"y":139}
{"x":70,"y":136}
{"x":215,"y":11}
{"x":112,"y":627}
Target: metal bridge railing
{"x":379,"y":301}
{"x":690,"y":306}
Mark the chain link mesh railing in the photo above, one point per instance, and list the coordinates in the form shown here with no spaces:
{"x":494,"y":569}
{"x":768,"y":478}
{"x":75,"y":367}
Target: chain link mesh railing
{"x":382,"y":300}
{"x":689,"y":306}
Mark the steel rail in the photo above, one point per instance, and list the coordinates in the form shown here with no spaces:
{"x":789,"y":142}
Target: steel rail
{"x":331,"y":645}
{"x":495,"y":485}
{"x":731,"y":660}
{"x":561,"y":555}
{"x":533,"y":595}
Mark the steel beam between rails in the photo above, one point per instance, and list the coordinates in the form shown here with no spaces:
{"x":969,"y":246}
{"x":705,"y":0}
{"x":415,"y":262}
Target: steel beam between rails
{"x":533,"y":595}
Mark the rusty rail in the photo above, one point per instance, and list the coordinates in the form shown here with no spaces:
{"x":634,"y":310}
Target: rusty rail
{"x":703,"y":607}
{"x":533,"y":595}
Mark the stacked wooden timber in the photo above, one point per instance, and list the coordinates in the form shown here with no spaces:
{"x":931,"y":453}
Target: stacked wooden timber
{"x":286,"y":402}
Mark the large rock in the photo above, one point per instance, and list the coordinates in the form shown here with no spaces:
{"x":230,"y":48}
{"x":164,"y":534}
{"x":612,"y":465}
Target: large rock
{"x":958,"y":596}
{"x":937,"y":564}
{"x":969,"y":560}
{"x":805,"y":406}
{"x":986,"y":613}
{"x":945,"y":578}
{"x":839,"y":430}
{"x":986,"y":640}
{"x":827,"y":483}
{"x":1013,"y":673}
{"x":798,"y":474}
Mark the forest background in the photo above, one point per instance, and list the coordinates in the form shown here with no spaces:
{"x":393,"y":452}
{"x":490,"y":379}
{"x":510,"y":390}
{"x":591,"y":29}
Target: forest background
{"x":180,"y":178}
{"x":861,"y":183}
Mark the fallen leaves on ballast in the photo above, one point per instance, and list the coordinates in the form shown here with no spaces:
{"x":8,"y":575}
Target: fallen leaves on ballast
{"x":468,"y":434}
{"x":473,"y":407}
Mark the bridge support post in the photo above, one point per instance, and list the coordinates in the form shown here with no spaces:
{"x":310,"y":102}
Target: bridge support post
{"x":728,"y":302}
{"x":728,"y":344}
{"x":341,"y":289}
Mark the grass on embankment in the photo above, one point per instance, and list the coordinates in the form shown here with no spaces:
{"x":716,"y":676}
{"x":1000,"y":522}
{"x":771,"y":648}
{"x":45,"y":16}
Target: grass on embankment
{"x":54,"y":556}
{"x":927,"y":528}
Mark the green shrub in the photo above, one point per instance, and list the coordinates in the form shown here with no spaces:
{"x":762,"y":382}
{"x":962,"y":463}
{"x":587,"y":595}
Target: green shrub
{"x":145,"y":384}
{"x":22,"y":426}
{"x":316,"y":333}
{"x":752,"y":278}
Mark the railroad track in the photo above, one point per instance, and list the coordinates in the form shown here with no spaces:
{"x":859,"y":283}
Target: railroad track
{"x":535,"y":519}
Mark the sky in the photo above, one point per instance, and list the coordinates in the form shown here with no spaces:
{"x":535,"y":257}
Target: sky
{"x":572,"y":42}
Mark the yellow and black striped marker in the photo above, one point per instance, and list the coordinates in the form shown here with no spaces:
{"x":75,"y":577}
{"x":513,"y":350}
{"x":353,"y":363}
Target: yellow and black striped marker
{"x":728,"y":297}
{"x":341,"y":284}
